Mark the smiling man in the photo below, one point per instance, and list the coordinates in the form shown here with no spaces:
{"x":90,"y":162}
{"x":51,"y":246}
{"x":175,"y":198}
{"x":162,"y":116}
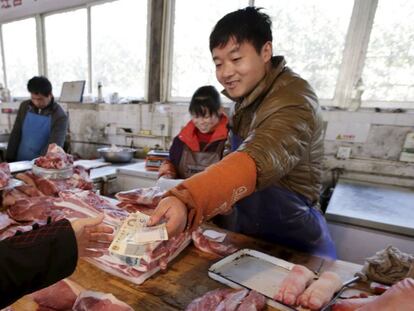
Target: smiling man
{"x":40,"y":121}
{"x":273,"y":177}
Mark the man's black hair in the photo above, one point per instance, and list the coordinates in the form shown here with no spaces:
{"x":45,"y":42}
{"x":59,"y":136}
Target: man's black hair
{"x":248,"y":24}
{"x":206,"y":100}
{"x":39,"y":85}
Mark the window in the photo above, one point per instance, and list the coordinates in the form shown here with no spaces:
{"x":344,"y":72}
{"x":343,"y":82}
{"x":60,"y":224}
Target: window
{"x":388,"y":73}
{"x":119,"y":47}
{"x":192,"y":65}
{"x":311,"y":36}
{"x":66,"y":48}
{"x":20,"y":53}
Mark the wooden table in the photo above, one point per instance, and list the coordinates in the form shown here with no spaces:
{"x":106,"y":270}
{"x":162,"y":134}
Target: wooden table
{"x":186,"y":277}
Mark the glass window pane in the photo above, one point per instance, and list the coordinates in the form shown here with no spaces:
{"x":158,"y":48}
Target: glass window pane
{"x":192,"y":63}
{"x":311,"y":36}
{"x":20,"y":52}
{"x":119,"y":47}
{"x":66,"y":48}
{"x":388,"y":73}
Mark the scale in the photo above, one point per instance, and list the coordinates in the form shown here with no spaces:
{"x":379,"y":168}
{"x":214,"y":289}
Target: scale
{"x":155,"y":158}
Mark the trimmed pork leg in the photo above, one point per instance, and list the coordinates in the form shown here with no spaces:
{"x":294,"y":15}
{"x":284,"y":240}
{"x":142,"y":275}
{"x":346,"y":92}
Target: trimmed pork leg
{"x":321,"y":291}
{"x":294,"y":284}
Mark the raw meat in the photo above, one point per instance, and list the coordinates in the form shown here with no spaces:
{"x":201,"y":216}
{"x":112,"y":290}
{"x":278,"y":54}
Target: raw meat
{"x":253,"y":302}
{"x":294,"y":284}
{"x":36,"y":209}
{"x":207,"y":245}
{"x":141,"y":196}
{"x":5,"y":221}
{"x":321,"y":291}
{"x":232,"y":300}
{"x":4,"y":174}
{"x":226,"y":299}
{"x":209,"y":301}
{"x":96,"y":301}
{"x":55,"y":158}
{"x":29,"y":190}
{"x":59,"y":296}
{"x":52,"y":187}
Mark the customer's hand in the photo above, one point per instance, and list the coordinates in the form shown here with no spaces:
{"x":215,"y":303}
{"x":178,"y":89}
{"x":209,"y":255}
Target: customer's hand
{"x":174,"y":211}
{"x":91,"y":233}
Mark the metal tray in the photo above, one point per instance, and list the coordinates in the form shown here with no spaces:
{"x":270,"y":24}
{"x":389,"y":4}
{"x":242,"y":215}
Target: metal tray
{"x":53,"y":173}
{"x":251,"y":269}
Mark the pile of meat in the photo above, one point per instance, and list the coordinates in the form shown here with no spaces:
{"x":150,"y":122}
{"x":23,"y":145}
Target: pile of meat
{"x":4,"y":174}
{"x":67,"y":295}
{"x":227,"y":299}
{"x":140,"y":199}
{"x":51,"y":187}
{"x":55,"y":158}
{"x":213,"y":242}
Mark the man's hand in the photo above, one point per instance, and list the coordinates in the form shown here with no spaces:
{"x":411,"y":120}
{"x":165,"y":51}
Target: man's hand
{"x":90,"y":233}
{"x":174,"y":211}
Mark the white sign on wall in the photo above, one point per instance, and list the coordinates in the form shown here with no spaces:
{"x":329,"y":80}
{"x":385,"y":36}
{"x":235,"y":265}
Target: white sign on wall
{"x":14,"y":9}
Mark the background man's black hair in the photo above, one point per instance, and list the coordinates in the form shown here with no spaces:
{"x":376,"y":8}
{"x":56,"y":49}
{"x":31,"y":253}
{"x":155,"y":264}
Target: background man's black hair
{"x":39,"y":85}
{"x":206,"y":100}
{"x":248,"y":24}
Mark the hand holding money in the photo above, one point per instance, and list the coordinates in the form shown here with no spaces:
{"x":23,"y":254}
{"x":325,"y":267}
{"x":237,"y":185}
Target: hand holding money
{"x":134,"y":238}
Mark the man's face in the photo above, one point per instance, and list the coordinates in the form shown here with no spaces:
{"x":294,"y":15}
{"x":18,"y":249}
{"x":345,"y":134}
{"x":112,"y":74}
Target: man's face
{"x":239,"y":67}
{"x":39,"y":100}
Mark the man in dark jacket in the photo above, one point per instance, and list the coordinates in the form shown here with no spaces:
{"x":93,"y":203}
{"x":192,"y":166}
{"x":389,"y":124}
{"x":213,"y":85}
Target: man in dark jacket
{"x":40,"y":121}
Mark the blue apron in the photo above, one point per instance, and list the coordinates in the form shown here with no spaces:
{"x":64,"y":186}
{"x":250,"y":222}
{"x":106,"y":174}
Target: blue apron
{"x":280,"y":216}
{"x":34,"y":137}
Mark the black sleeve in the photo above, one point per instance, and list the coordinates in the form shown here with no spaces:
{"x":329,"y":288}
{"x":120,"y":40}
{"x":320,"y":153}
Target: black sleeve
{"x":15,"y":135}
{"x":36,"y":259}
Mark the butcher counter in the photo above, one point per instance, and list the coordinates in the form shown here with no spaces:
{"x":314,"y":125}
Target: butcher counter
{"x":186,"y":277}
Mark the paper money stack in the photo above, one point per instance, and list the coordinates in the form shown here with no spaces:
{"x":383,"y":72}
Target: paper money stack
{"x":135,"y":239}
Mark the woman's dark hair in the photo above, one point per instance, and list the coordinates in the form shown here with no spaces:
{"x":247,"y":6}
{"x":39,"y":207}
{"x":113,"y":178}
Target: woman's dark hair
{"x":248,"y":24}
{"x":206,"y":100}
{"x":39,"y":85}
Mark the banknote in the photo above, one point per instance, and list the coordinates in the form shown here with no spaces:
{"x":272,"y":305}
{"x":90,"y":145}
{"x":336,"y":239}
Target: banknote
{"x":134,"y":238}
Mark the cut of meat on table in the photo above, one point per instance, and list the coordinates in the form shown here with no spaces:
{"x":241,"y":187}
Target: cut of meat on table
{"x":226,"y":299}
{"x":36,"y":209}
{"x":321,"y":291}
{"x":142,"y":196}
{"x":55,"y":158}
{"x":232,"y":300}
{"x":209,"y":301}
{"x":90,"y":201}
{"x":208,"y":245}
{"x":132,"y":208}
{"x":11,"y":230}
{"x":294,"y":284}
{"x":52,"y":187}
{"x":5,"y":221}
{"x":96,"y":301}
{"x":10,"y":196}
{"x":155,"y":259}
{"x":4,"y":174}
{"x":59,"y":296}
{"x":254,"y":301}
{"x":29,"y":190}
